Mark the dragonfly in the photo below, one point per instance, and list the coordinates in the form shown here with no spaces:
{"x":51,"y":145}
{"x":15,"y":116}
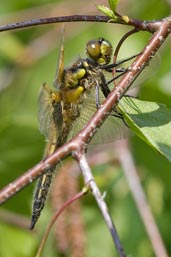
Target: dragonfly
{"x":71,"y":103}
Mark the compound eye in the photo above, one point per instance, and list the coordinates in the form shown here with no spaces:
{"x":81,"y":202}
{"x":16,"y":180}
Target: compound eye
{"x":93,"y":49}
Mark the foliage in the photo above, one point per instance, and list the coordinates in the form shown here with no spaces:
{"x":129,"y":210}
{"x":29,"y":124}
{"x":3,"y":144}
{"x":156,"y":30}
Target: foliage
{"x":109,"y":11}
{"x":150,"y":121}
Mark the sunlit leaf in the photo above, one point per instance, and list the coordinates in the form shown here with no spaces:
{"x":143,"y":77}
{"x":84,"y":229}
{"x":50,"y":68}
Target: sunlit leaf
{"x":113,"y":4}
{"x":107,"y":11}
{"x":150,"y":121}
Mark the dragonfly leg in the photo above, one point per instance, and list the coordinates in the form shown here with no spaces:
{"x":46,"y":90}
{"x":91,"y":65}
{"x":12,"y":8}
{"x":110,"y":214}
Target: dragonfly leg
{"x":104,"y":86}
{"x":131,"y":96}
{"x":121,"y":70}
{"x":97,"y":98}
{"x":120,"y":116}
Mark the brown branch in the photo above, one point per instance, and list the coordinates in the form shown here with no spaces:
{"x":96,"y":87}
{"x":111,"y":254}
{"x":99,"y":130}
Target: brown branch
{"x":150,"y":26}
{"x":115,"y":55}
{"x":56,"y":216}
{"x":79,"y":141}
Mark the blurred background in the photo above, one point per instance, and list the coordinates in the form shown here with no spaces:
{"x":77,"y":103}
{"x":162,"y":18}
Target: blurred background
{"x":28,"y":57}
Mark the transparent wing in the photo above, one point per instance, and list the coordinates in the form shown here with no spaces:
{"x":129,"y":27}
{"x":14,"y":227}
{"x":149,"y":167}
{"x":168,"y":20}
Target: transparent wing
{"x":50,"y":117}
{"x":60,"y":64}
{"x":113,"y":128}
{"x":45,"y":113}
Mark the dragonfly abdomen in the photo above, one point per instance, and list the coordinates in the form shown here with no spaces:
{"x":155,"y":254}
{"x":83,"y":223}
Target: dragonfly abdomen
{"x":41,"y":195}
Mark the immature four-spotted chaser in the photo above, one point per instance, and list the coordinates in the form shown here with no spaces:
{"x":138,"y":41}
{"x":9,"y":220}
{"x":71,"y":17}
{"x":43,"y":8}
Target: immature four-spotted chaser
{"x":69,"y":106}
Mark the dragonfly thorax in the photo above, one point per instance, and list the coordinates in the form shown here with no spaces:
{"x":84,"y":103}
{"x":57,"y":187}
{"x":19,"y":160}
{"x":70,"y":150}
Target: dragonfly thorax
{"x":71,"y":78}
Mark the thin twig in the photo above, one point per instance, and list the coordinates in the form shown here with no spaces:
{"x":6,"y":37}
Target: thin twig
{"x":150,"y":26}
{"x":89,"y":180}
{"x":55,"y":217}
{"x":121,"y":41}
{"x":132,"y":177}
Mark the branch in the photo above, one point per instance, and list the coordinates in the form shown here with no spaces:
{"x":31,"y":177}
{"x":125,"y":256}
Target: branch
{"x":56,"y":216}
{"x":89,"y":180}
{"x":79,"y":142}
{"x":150,"y":26}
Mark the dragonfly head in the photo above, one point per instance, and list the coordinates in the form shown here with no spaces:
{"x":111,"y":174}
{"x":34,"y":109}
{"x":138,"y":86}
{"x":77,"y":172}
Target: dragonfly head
{"x":99,"y":50}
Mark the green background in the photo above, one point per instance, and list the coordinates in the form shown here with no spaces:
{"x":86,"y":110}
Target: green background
{"x":27,"y":59}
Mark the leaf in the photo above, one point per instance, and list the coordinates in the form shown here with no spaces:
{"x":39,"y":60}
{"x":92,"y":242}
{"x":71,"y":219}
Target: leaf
{"x":107,"y":11}
{"x":150,"y":121}
{"x":113,"y":4}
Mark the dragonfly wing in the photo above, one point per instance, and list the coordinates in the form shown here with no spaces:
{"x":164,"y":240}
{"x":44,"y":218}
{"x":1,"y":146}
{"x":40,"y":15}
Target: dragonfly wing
{"x":112,"y":129}
{"x":60,"y":65}
{"x":50,"y":119}
{"x":50,"y":115}
{"x":45,"y":113}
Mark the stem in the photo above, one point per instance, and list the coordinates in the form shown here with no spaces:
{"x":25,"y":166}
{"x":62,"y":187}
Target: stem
{"x":89,"y":179}
{"x":55,"y":217}
{"x":150,"y":26}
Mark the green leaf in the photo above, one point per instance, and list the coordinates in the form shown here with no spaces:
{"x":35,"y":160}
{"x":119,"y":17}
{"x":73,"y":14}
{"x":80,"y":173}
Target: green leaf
{"x":113,"y":4}
{"x":107,"y":11}
{"x":150,"y":121}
